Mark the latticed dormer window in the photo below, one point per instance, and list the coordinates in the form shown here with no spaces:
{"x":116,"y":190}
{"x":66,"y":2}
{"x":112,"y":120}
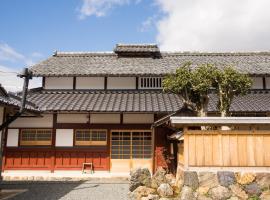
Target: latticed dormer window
{"x":150,"y":82}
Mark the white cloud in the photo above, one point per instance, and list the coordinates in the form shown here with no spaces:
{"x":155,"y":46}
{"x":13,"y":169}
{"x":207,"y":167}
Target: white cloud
{"x":12,"y":82}
{"x":148,"y":23}
{"x":7,"y":53}
{"x":100,"y":8}
{"x":211,"y":25}
{"x":8,"y":76}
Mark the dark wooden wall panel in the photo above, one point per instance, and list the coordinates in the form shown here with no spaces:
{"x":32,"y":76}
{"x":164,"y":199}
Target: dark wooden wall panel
{"x":64,"y":159}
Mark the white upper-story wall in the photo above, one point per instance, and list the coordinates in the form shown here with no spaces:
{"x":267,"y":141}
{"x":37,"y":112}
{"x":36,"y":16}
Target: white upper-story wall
{"x":257,"y":83}
{"x":58,"y":83}
{"x":112,"y":83}
{"x":121,"y":83}
{"x":90,"y":83}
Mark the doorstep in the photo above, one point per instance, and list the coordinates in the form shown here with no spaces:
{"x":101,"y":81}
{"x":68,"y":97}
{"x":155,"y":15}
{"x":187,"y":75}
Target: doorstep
{"x":61,"y":175}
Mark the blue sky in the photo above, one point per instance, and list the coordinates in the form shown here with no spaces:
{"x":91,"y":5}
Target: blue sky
{"x":31,"y":30}
{"x":42,"y":27}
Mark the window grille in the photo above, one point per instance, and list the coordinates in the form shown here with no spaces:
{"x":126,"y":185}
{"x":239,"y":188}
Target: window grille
{"x":87,"y":137}
{"x":131,"y":145}
{"x":150,"y":82}
{"x":36,"y":137}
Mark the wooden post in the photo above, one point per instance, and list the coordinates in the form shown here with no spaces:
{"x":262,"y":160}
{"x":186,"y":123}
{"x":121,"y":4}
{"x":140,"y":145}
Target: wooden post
{"x":53,"y":143}
{"x":186,"y":148}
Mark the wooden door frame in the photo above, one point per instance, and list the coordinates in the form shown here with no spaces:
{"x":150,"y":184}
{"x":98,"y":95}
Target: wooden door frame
{"x":133,"y":130}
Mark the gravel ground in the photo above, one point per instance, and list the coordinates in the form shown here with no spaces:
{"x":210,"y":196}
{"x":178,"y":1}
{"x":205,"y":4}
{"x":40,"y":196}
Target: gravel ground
{"x":68,"y":190}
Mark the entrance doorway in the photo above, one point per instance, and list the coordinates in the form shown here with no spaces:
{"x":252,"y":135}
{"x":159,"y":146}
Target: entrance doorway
{"x":130,"y":150}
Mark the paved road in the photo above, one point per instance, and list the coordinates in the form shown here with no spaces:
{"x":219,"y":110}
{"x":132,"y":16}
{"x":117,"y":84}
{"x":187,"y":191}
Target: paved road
{"x":68,"y":191}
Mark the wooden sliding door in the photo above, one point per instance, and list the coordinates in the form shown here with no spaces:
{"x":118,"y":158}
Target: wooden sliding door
{"x":130,"y":150}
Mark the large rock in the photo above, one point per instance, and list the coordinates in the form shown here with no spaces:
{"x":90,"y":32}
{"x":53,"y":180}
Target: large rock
{"x":191,"y":179}
{"x":234,"y":198}
{"x":220,"y":193}
{"x":165,"y":190}
{"x":265,"y":195}
{"x":226,"y":178}
{"x":202,"y":190}
{"x":170,"y":178}
{"x":253,"y":189}
{"x":141,"y":191}
{"x":139,"y":177}
{"x":187,"y":194}
{"x":151,"y":197}
{"x":238,"y":192}
{"x":158,"y":178}
{"x":263,"y":180}
{"x":203,"y":197}
{"x":208,"y":179}
{"x":244,"y":178}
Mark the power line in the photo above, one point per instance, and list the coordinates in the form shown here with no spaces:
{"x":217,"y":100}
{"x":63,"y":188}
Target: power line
{"x":9,"y":72}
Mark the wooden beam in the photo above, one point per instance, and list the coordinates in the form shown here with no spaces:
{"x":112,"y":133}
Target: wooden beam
{"x":264,"y":83}
{"x":53,"y":143}
{"x":103,"y":126}
{"x":105,"y":83}
{"x":43,"y":82}
{"x":74,"y":82}
{"x":137,"y":83}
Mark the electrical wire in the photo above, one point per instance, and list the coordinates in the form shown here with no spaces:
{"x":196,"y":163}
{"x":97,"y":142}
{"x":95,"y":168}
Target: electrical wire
{"x":9,"y":72}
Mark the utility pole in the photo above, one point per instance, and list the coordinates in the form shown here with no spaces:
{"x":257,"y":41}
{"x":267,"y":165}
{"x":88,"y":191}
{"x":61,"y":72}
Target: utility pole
{"x":27,"y":75}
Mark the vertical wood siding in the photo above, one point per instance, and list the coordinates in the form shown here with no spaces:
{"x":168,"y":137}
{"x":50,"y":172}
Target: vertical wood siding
{"x":227,"y":148}
{"x":63,"y":159}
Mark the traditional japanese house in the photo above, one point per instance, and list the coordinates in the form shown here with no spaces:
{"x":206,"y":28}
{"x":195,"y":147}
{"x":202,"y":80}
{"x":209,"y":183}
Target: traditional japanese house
{"x":101,"y":108}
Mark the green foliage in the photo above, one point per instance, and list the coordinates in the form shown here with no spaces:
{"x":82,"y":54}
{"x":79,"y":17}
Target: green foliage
{"x":195,"y":85}
{"x":255,"y":197}
{"x":192,"y":85}
{"x":230,"y":83}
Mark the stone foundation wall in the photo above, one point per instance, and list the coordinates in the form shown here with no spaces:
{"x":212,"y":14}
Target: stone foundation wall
{"x":224,"y":185}
{"x":192,"y":185}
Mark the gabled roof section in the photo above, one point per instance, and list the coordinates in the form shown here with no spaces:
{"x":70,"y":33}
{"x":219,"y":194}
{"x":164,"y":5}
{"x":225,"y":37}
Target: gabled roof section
{"x":137,"y":50}
{"x":134,"y":60}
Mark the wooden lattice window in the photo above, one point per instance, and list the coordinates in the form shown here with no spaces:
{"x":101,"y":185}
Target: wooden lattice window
{"x":36,"y":137}
{"x":88,"y":137}
{"x":131,"y":145}
{"x":150,"y":82}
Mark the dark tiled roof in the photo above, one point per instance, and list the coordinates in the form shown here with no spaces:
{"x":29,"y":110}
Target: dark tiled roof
{"x":255,"y":101}
{"x":136,"y":101}
{"x":104,"y":64}
{"x":106,"y":101}
{"x":136,"y":48}
{"x":9,"y":99}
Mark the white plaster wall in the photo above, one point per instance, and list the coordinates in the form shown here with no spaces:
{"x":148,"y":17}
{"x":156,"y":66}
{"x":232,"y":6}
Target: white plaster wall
{"x":257,"y":83}
{"x":105,"y":118}
{"x":13,"y":137}
{"x":33,"y":122}
{"x":121,"y":83}
{"x":90,"y":83}
{"x":267,"y":81}
{"x":138,"y":118}
{"x":64,"y":138}
{"x":59,"y":83}
{"x":72,"y":118}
